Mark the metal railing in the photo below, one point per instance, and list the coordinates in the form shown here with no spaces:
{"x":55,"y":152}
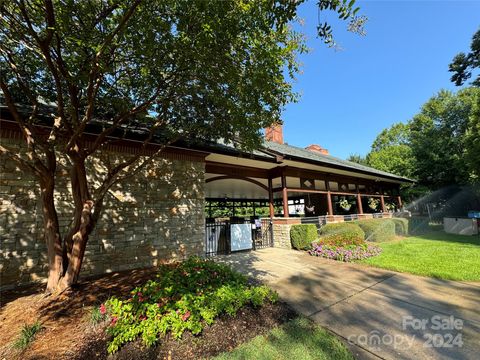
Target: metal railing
{"x":350,"y":217}
{"x":317,"y":220}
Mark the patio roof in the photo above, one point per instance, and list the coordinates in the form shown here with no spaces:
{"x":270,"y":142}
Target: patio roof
{"x":300,"y":154}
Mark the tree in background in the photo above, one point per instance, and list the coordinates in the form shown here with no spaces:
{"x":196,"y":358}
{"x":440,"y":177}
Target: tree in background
{"x":357,"y":158}
{"x":463,"y":64}
{"x":472,"y":139}
{"x":175,"y":69}
{"x":439,"y":138}
{"x":391,"y":151}
{"x":439,"y":147}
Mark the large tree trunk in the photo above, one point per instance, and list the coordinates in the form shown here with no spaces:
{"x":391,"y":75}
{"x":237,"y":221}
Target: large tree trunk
{"x":79,"y":243}
{"x":52,"y":232}
{"x":76,"y":239}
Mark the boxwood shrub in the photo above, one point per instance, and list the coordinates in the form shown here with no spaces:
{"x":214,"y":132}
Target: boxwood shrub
{"x":302,"y":236}
{"x":378,"y":230}
{"x":401,"y":226}
{"x":341,"y":234}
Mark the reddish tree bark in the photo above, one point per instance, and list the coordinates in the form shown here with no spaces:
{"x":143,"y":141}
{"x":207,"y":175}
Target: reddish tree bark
{"x":52,"y":233}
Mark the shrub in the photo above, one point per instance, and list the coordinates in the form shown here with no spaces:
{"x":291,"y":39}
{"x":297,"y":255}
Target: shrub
{"x":346,"y":253}
{"x":183,"y":297}
{"x":302,"y":236}
{"x":401,"y":226}
{"x":27,"y":335}
{"x":378,"y":230}
{"x":341,"y":234}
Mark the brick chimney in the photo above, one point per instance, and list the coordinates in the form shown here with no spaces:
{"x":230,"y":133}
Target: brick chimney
{"x":274,"y":133}
{"x":317,"y":148}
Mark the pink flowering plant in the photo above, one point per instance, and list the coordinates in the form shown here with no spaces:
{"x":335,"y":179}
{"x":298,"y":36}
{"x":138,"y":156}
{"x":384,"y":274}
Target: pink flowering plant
{"x":183,"y":297}
{"x":345,"y":253}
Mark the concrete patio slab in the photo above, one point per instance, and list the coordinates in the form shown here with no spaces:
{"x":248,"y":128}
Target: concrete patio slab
{"x":376,"y":312}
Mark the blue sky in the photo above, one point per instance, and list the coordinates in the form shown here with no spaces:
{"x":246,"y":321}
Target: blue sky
{"x":349,"y":96}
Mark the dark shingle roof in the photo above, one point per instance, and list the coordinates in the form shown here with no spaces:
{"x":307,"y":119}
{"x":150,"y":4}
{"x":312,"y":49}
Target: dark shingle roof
{"x":300,"y":154}
{"x":266,"y":153}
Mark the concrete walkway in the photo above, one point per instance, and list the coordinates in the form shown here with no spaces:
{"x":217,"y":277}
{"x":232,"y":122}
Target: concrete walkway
{"x":379,"y":313}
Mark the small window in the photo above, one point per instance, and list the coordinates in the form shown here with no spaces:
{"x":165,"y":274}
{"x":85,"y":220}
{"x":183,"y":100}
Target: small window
{"x":333,"y":185}
{"x":320,"y":185}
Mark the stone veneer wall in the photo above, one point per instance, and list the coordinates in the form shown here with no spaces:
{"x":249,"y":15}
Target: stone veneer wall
{"x":157,"y":214}
{"x":281,"y":236}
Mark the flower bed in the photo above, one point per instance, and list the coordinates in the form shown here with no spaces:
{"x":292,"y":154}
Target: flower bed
{"x":345,"y":253}
{"x":184,"y":297}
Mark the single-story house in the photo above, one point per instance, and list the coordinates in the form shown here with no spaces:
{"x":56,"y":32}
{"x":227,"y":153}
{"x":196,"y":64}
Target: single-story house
{"x":163,"y":212}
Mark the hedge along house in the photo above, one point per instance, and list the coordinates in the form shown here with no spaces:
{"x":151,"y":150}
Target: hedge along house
{"x":163,"y":212}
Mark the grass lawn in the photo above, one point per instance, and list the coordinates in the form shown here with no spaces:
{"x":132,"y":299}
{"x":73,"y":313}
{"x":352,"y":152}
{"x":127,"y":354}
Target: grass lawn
{"x":436,"y":254}
{"x":297,"y":339}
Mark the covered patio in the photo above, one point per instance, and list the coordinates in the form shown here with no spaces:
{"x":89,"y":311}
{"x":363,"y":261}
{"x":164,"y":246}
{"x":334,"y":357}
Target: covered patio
{"x":279,"y":185}
{"x":287,"y":191}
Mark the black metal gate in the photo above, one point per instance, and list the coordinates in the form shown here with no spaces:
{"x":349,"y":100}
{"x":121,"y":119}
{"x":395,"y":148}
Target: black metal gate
{"x":218,"y":235}
{"x":264,"y":235}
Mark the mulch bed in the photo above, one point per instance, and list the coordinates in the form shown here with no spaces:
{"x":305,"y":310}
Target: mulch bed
{"x":69,"y":334}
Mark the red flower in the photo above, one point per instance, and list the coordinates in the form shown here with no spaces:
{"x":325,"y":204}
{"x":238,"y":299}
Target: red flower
{"x":114,"y":321}
{"x":186,"y":316}
{"x":103,"y":309}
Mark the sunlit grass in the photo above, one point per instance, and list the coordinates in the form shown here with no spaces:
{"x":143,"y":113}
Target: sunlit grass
{"x":297,"y":339}
{"x":437,"y":254}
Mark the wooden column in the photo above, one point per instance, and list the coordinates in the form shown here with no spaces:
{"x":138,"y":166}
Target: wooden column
{"x":359,"y":203}
{"x":329,"y":202}
{"x":382,"y":202}
{"x":359,"y":200}
{"x":285,"y":196}
{"x":400,"y":204}
{"x":271,"y":207}
{"x":329,"y":198}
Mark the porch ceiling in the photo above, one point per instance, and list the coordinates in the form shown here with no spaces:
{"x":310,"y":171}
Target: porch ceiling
{"x":236,"y":188}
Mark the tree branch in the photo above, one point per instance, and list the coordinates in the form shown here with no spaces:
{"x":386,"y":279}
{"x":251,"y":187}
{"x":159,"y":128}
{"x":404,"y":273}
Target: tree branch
{"x":94,"y":79}
{"x":25,"y":128}
{"x":20,"y":161}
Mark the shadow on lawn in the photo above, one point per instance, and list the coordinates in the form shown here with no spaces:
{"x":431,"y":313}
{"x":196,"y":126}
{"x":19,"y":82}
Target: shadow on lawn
{"x":443,"y":236}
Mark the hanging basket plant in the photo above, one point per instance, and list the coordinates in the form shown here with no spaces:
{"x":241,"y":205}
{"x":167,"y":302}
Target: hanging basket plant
{"x":390,"y":207}
{"x":373,"y":203}
{"x":344,"y":204}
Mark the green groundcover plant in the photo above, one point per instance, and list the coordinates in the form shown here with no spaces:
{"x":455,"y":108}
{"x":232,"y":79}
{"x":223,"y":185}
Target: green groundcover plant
{"x":183,"y":297}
